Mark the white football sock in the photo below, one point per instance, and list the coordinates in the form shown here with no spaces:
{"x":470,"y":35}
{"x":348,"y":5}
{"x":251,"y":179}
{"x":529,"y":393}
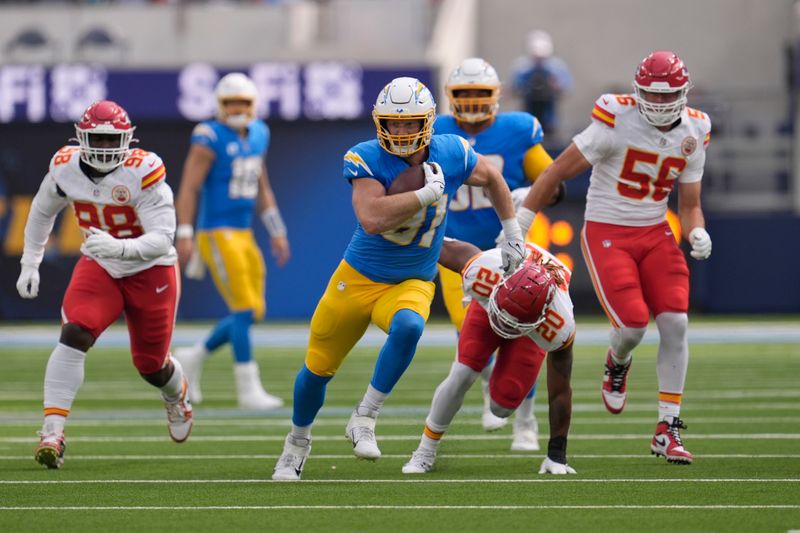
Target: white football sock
{"x":373,"y":399}
{"x":173,"y":387}
{"x":63,"y":376}
{"x":673,"y":351}
{"x":449,"y":396}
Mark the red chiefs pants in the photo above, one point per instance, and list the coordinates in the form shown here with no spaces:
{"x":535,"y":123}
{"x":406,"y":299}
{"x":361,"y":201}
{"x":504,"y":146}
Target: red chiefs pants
{"x":635,"y":271}
{"x":518,"y":360}
{"x":94,"y":300}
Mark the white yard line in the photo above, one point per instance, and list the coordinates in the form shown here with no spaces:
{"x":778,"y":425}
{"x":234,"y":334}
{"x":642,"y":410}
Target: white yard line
{"x":396,"y":507}
{"x":331,"y":438}
{"x":551,"y":479}
{"x":459,"y":456}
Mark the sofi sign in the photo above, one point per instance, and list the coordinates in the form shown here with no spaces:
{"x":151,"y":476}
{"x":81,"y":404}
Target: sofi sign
{"x":326,"y":90}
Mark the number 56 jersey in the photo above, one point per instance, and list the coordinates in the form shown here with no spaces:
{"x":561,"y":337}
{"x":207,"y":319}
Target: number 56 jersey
{"x":635,"y":164}
{"x":485,"y":270}
{"x":128,"y":202}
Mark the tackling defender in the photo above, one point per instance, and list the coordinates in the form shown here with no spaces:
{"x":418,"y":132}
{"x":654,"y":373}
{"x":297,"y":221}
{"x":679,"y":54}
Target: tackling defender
{"x":522,"y":316}
{"x":511,"y":141}
{"x":385,"y":276}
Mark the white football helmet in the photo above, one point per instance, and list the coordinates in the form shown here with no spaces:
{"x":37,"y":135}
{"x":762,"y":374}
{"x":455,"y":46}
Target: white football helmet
{"x":404,"y":99}
{"x":473,"y":74}
{"x":236,"y":86}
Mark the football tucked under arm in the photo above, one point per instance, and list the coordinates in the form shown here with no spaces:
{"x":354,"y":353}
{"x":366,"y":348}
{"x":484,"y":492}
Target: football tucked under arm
{"x":411,"y":179}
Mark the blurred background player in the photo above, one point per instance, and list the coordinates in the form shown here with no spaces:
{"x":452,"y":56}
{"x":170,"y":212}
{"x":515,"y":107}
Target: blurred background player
{"x":522,"y":317}
{"x":124,"y":208}
{"x":387,"y":271}
{"x":540,"y":79}
{"x":224,"y":182}
{"x":639,"y":146}
{"x":512,"y":142}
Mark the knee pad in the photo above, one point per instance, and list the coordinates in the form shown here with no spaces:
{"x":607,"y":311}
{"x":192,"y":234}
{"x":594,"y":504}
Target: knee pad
{"x":624,"y":340}
{"x":500,"y":411}
{"x":407,"y":325}
{"x":76,"y":337}
{"x":160,"y":377}
{"x":673,"y":327}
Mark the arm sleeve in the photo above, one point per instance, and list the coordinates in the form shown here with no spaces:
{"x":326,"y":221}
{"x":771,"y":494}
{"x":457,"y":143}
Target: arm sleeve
{"x":156,"y":212}
{"x":45,"y":206}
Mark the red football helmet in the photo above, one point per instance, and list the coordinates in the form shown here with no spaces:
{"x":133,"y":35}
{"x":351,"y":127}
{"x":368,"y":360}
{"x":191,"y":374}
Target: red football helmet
{"x":104,"y":118}
{"x":661,"y":72}
{"x":518,"y":304}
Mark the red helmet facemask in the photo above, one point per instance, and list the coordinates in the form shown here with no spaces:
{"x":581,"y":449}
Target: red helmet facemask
{"x":518,"y":305}
{"x":105,"y":118}
{"x":661,"y":72}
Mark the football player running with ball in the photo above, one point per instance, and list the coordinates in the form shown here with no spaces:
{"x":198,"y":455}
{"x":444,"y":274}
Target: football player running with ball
{"x":639,"y":146}
{"x":385,"y":276}
{"x":124,"y":208}
{"x":523,"y":317}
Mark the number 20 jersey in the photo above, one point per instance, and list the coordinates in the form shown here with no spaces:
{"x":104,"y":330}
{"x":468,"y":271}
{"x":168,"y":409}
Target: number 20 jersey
{"x":485,"y":270}
{"x":635,"y":165}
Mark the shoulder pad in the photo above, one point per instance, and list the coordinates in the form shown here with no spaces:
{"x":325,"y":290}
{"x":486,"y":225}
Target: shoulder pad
{"x":148,"y":166}
{"x":608,"y":106}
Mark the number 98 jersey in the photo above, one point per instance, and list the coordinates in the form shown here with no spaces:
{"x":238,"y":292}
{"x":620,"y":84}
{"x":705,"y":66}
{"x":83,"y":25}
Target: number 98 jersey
{"x":485,"y":270}
{"x":131,"y":200}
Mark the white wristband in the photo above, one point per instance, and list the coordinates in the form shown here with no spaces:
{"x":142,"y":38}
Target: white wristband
{"x":525,"y":218}
{"x":511,"y":229}
{"x":426,"y":196}
{"x":184,"y":231}
{"x":272,"y":220}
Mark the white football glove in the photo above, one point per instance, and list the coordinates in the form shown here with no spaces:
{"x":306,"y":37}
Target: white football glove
{"x":512,"y":252}
{"x":551,"y":467}
{"x":28,"y":282}
{"x":434,"y":184}
{"x":701,"y":243}
{"x":195,"y":268}
{"x":512,"y":249}
{"x":101,"y":244}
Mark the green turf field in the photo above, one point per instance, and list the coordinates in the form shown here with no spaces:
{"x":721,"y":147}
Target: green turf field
{"x":742,"y":406}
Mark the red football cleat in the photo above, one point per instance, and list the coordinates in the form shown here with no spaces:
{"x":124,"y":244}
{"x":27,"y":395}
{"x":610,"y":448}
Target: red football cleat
{"x":614,"y":384}
{"x":50,"y":452}
{"x":667,"y":442}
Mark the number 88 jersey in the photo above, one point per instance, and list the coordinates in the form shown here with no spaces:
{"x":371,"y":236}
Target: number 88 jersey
{"x":485,"y":270}
{"x":636,"y":165}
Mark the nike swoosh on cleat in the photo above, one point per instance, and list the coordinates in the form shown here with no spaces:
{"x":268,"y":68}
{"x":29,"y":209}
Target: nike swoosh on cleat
{"x":662,"y":441}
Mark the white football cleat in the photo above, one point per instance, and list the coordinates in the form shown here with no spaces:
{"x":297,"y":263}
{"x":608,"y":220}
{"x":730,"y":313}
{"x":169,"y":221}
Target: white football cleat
{"x":490,"y":422}
{"x":250,"y":392}
{"x":421,"y":462}
{"x":360,"y":431}
{"x":179,"y":414}
{"x":526,"y":435}
{"x":291,"y":462}
{"x":615,"y":385}
{"x":192,"y":359}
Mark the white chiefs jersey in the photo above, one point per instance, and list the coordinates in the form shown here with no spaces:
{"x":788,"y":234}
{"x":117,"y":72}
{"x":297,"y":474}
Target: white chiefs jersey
{"x":635,"y":165}
{"x":130,"y":201}
{"x":485,"y":270}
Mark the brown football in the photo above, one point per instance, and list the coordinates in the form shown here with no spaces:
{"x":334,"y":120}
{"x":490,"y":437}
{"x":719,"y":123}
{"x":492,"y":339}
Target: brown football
{"x":410,"y":179}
